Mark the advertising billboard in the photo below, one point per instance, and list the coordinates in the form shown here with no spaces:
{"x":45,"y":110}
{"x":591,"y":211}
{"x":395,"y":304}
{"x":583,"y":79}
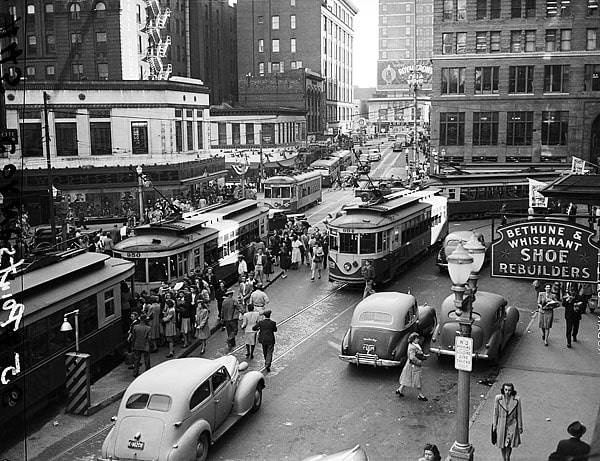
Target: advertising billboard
{"x":393,"y":75}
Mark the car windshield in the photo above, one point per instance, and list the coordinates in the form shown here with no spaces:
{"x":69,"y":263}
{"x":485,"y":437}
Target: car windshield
{"x":380,"y":318}
{"x":156,"y":402}
{"x":475,"y":316}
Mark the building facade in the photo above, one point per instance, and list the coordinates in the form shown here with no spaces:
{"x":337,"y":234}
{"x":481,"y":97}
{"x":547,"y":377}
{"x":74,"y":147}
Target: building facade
{"x":100,"y":132}
{"x":516,"y":81}
{"x":280,"y":35}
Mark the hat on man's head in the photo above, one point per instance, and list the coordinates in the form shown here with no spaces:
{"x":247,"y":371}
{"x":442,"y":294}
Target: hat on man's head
{"x":267,"y":313}
{"x":576,"y":429}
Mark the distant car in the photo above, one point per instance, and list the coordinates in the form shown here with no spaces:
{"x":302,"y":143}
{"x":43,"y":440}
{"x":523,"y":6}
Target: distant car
{"x":494,"y":322}
{"x":353,"y":454}
{"x":451,"y":242}
{"x":374,"y":150}
{"x":176,"y":410}
{"x":374,"y":157}
{"x":379,"y":329}
{"x":42,"y":236}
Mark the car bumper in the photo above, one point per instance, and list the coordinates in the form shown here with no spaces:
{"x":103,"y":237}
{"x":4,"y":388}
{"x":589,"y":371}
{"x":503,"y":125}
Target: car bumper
{"x":438,"y":351}
{"x":369,"y":359}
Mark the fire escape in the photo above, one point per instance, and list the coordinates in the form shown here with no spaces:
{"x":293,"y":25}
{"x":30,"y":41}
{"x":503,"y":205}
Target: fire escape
{"x":157,"y":44}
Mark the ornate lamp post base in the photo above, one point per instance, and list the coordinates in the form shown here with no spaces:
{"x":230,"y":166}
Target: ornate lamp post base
{"x":461,"y":452}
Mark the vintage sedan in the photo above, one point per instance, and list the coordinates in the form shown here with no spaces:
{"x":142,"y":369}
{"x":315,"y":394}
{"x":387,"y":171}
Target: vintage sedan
{"x":494,"y":322}
{"x":175,"y":410}
{"x":451,"y":242}
{"x":379,"y":329}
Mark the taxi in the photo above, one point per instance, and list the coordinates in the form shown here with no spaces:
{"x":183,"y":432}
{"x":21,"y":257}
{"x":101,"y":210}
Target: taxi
{"x":380,"y":326}
{"x":176,"y":410}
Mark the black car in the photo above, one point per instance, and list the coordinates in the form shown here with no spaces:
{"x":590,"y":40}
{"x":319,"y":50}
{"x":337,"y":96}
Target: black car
{"x":42,"y":236}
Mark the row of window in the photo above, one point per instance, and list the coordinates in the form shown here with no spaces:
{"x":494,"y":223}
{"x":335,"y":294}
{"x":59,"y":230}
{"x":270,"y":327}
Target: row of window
{"x":520,"y":79}
{"x":519,"y":128}
{"x":277,"y":67}
{"x":74,"y":12}
{"x":77,"y":72}
{"x":521,"y":41}
{"x":456,"y":10}
{"x":275,"y":45}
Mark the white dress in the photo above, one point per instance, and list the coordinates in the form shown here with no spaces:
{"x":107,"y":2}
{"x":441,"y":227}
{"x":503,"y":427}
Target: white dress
{"x":296,"y":253}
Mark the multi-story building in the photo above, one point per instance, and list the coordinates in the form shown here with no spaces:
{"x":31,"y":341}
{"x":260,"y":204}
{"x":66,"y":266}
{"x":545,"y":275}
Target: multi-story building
{"x":400,"y":21}
{"x":516,"y":81}
{"x":130,"y":40}
{"x":280,"y":35}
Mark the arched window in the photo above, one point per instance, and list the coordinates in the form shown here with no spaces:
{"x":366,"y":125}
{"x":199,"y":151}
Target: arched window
{"x":75,"y":11}
{"x":100,"y":10}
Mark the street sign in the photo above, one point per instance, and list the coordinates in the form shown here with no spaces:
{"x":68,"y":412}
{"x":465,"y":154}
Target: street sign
{"x":463,"y":358}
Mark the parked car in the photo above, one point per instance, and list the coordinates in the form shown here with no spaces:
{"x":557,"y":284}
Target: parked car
{"x":353,"y":454}
{"x":42,"y":236}
{"x":379,"y":329}
{"x":494,"y":322}
{"x":451,"y":242}
{"x":175,"y":410}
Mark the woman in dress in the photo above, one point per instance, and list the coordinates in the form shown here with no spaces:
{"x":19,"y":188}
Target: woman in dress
{"x":169,"y":320}
{"x":154,"y":314}
{"x":507,"y":420}
{"x":285,"y":262}
{"x":202,"y":327}
{"x":411,"y":373}
{"x":268,"y":267}
{"x":546,"y":302}
{"x":296,"y":252}
{"x":248,"y":321}
{"x":220,"y":295}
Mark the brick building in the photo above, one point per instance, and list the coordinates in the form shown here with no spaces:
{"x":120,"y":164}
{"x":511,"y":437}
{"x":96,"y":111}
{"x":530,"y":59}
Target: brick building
{"x":516,"y":81}
{"x":280,"y":35}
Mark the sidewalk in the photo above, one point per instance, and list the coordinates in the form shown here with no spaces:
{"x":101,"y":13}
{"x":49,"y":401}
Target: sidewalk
{"x":557,"y":386}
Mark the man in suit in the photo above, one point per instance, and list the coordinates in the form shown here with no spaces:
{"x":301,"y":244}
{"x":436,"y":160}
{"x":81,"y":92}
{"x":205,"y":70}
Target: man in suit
{"x":266,"y":336}
{"x":140,"y":344}
{"x":573,"y":449}
{"x":230,"y":313}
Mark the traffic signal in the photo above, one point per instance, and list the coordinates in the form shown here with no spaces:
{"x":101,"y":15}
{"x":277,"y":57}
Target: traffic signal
{"x":11,"y":396}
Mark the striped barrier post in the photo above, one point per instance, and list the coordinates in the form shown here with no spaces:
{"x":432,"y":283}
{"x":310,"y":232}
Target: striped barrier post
{"x":77,"y":367}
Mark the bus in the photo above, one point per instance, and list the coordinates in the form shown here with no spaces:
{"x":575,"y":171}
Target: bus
{"x":391,"y":231}
{"x":168,"y":250}
{"x":476,"y":195}
{"x":49,"y":287}
{"x":329,"y":168}
{"x":291,"y":194}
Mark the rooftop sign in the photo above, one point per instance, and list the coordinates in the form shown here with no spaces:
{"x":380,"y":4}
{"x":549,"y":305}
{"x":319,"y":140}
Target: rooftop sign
{"x":545,"y":250}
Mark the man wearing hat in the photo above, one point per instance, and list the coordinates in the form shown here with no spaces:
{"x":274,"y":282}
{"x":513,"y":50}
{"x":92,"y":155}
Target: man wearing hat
{"x":230,"y":313}
{"x":266,"y":336}
{"x":242,"y":268}
{"x":573,"y":449}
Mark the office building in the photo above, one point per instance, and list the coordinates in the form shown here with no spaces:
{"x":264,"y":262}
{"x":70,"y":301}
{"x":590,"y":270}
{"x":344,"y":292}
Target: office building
{"x":277,"y":36}
{"x":516,"y":81}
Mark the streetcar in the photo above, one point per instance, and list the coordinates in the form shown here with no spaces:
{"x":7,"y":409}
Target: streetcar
{"x":214,"y":236}
{"x":32,"y":356}
{"x":346,"y":158}
{"x":477,"y":195}
{"x":390,"y":231}
{"x":292,"y":194}
{"x":329,"y":168}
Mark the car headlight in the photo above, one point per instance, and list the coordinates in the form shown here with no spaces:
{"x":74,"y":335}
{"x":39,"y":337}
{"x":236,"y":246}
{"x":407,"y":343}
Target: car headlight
{"x":347,"y":266}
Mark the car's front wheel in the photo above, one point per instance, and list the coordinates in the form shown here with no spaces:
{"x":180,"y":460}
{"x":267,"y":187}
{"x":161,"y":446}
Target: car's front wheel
{"x":257,"y":399}
{"x":202,"y":447}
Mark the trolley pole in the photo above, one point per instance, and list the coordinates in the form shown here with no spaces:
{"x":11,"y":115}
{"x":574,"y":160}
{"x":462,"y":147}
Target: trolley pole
{"x":415,"y":88}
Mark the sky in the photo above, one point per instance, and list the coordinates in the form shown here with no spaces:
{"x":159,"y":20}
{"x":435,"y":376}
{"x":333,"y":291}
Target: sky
{"x":365,"y":43}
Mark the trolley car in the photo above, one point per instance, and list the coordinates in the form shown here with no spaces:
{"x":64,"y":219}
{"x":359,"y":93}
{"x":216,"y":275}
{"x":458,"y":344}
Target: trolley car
{"x":329,"y":168}
{"x":476,"y":195}
{"x":391,"y":231}
{"x":48,"y":288}
{"x":294,"y":193}
{"x":169,"y":250}
{"x":346,"y":158}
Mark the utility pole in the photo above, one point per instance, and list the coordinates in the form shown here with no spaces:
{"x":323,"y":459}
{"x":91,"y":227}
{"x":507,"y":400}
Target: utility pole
{"x":49,"y":168}
{"x":415,"y":88}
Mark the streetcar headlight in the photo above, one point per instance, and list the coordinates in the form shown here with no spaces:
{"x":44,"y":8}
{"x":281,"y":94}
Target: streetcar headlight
{"x":347,"y":266}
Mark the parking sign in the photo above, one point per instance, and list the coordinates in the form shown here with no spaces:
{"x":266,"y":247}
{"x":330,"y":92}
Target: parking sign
{"x":463,"y":358}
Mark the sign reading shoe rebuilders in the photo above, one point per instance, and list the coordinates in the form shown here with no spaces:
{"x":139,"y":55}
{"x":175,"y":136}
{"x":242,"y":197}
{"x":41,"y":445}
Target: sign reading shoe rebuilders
{"x":545,"y":250}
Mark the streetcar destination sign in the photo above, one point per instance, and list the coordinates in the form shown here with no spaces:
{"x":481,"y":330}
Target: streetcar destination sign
{"x":545,"y":250}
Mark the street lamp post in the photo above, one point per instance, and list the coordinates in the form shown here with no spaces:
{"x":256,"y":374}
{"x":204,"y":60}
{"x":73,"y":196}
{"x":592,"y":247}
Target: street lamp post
{"x":66,"y":326}
{"x":464,"y":265}
{"x":139,"y":170}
